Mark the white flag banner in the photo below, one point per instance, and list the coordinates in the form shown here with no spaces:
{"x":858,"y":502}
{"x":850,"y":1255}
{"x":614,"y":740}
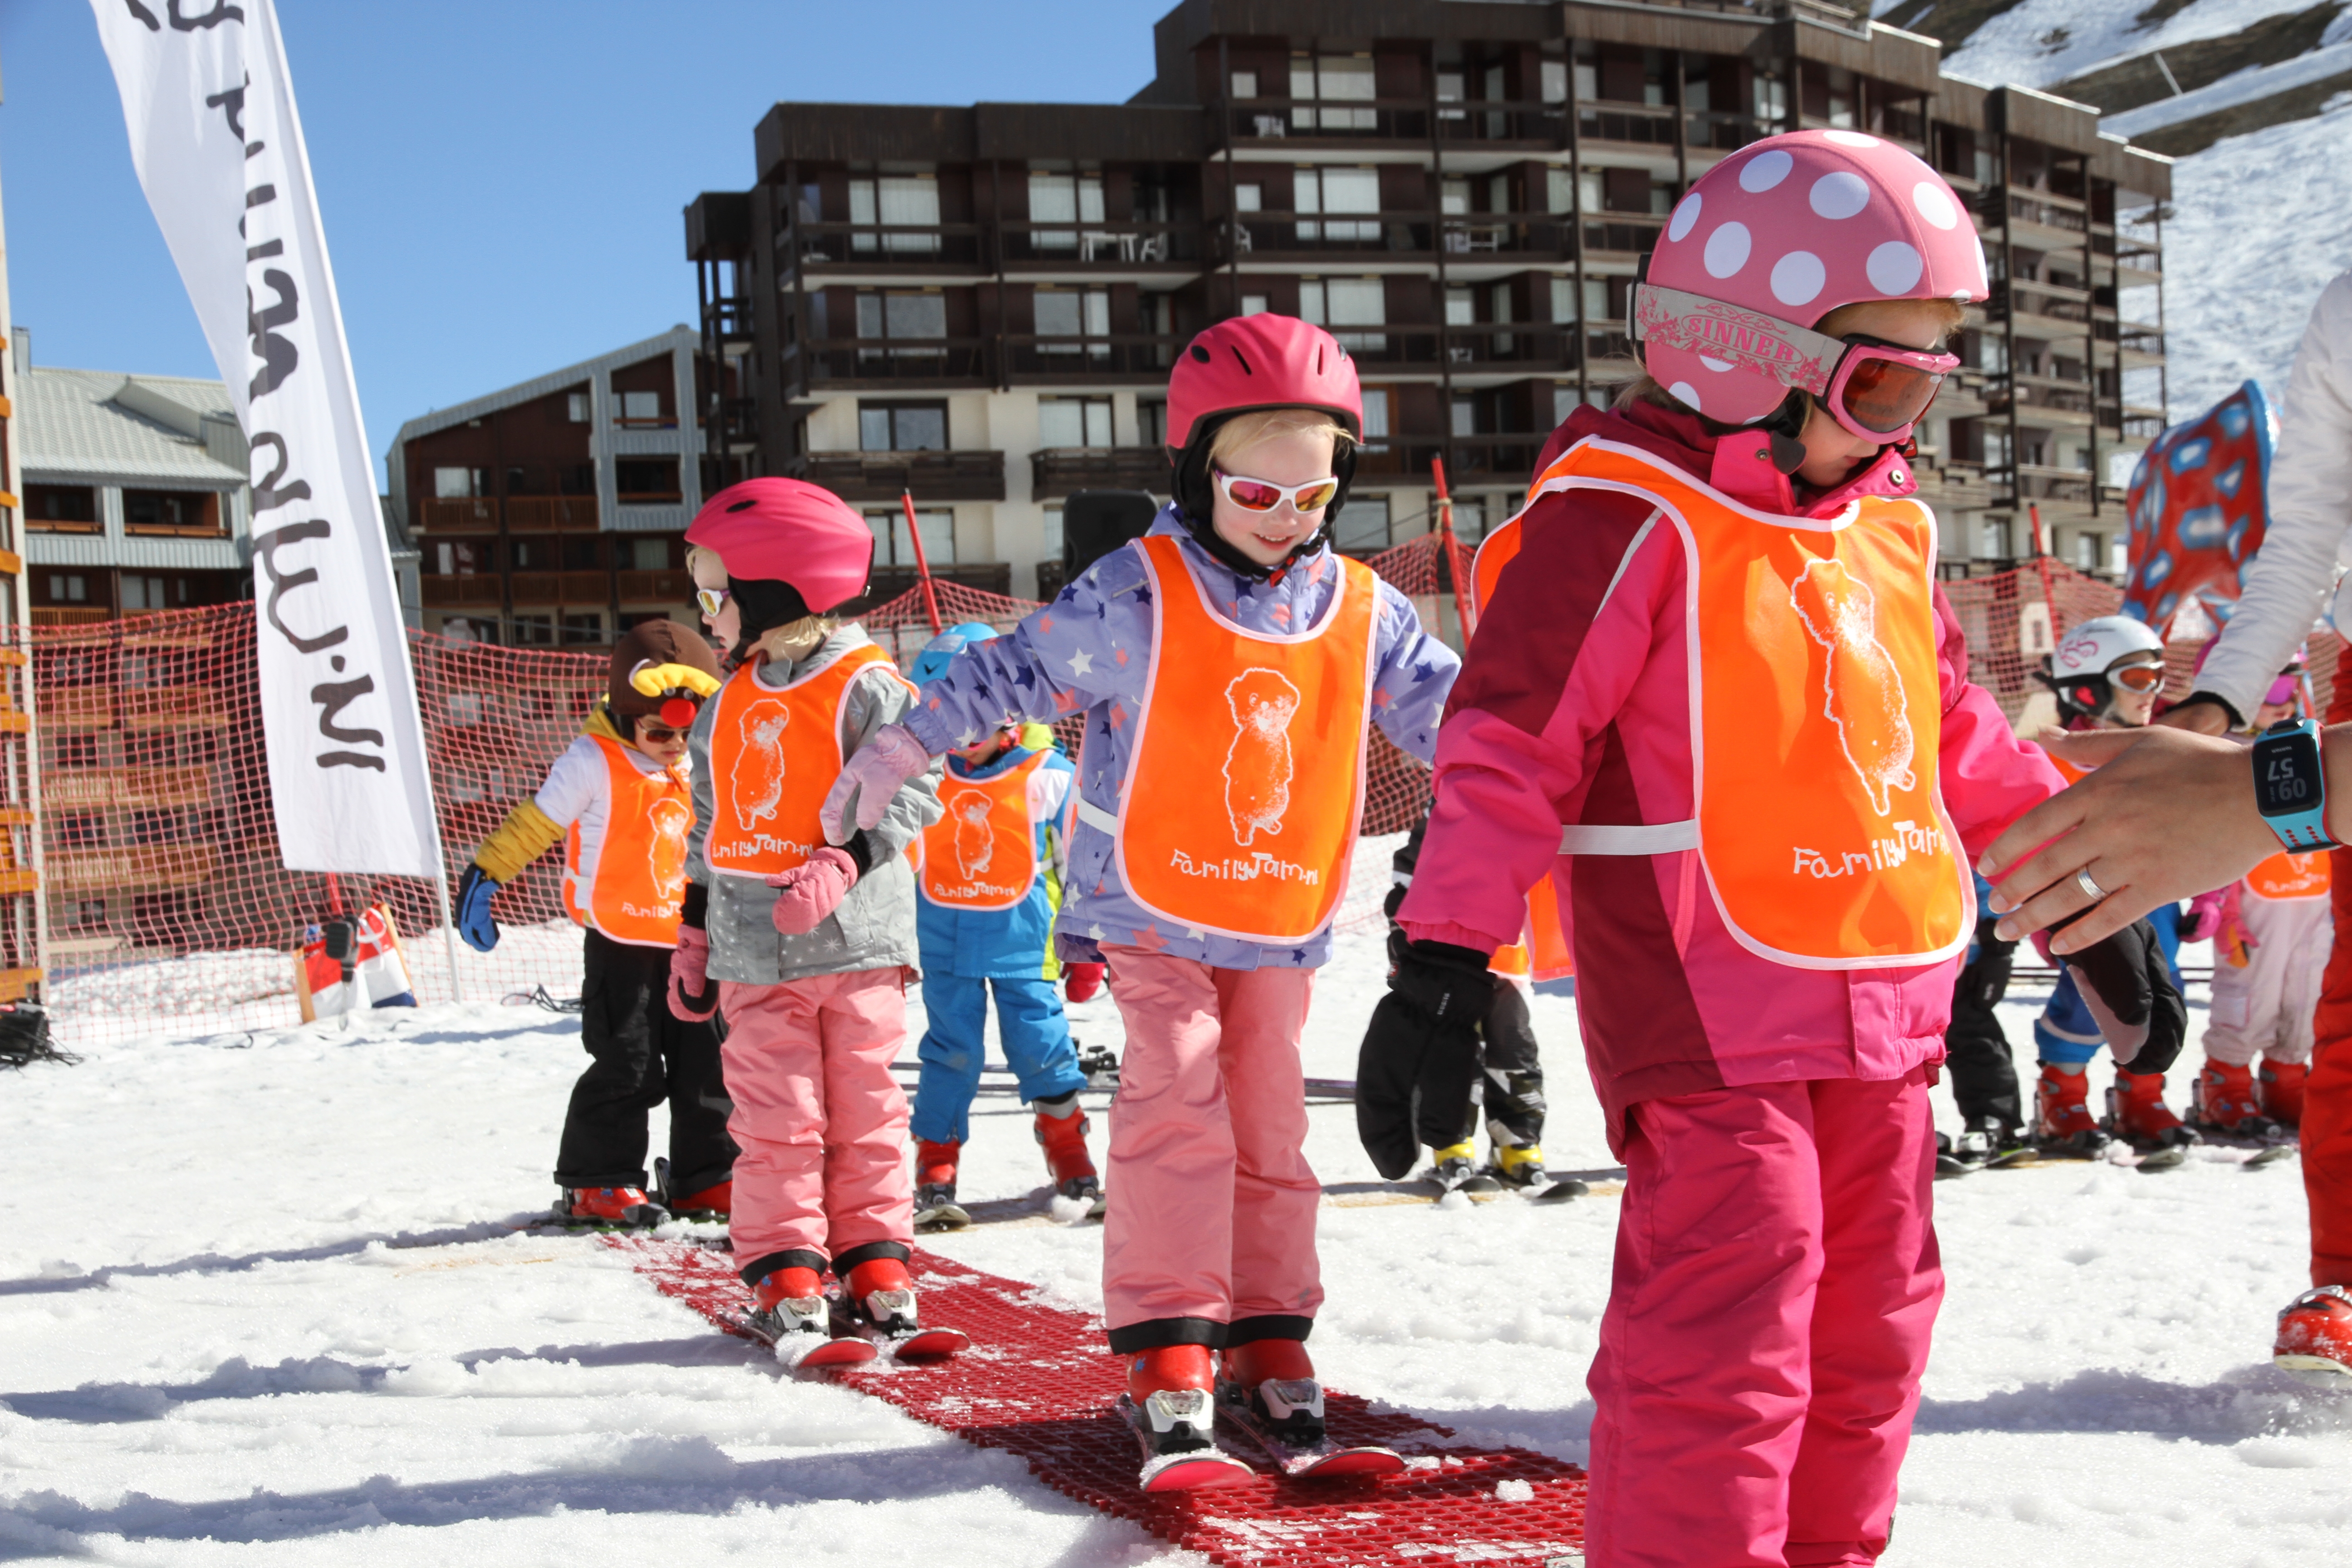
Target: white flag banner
{"x":220,"y":150}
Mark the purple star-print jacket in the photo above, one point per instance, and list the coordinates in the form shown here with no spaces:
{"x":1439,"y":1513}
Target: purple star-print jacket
{"x":1090,"y":650}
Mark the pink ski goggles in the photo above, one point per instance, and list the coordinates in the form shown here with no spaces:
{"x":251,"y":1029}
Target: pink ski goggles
{"x":1877,"y":390}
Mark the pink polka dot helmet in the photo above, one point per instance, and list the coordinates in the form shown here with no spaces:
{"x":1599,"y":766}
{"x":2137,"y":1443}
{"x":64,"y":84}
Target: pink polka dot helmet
{"x":1778,"y":235}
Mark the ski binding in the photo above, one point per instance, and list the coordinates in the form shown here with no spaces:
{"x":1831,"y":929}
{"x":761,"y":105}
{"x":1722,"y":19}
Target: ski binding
{"x":886,"y":1325}
{"x":1295,"y":1438}
{"x":797,"y":1332}
{"x":1198,"y":1462}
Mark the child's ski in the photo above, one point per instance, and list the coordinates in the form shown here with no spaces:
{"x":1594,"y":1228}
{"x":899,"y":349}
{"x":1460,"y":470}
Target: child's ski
{"x":1320,"y":1459}
{"x":896,"y":1335}
{"x":1181,"y":1470}
{"x":798,"y":1350}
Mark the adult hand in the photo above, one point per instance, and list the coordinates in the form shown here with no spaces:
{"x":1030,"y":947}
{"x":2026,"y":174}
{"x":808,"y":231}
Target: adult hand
{"x":813,"y":890}
{"x":873,"y":773}
{"x":474,"y":922}
{"x":1418,"y":1060}
{"x":2168,"y":814}
{"x":693,"y":998}
{"x":2127,"y":985}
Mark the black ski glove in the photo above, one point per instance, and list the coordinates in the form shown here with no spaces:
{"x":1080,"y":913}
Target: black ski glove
{"x":2128,"y":988}
{"x":1419,"y":1062}
{"x":1986,"y":979}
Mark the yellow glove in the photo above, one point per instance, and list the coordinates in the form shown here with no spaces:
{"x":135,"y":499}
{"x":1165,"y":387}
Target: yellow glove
{"x":653,"y":679}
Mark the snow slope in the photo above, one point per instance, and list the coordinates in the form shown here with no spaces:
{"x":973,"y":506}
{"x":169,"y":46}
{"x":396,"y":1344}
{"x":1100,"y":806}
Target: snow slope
{"x":264,"y":1306}
{"x":2038,"y":42}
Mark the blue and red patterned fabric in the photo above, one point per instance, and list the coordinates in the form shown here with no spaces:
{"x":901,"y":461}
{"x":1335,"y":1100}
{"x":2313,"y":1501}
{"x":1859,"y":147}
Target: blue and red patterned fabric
{"x":2197,"y":504}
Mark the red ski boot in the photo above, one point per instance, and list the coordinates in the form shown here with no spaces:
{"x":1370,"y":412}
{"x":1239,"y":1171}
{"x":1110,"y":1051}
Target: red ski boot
{"x":2281,"y":1091}
{"x":619,"y":1207}
{"x":881,"y":1296}
{"x":935,"y":1187}
{"x":2223,"y":1101}
{"x":2315,"y":1338}
{"x":2137,"y":1114}
{"x":1062,"y":1133}
{"x":714,"y":1202}
{"x":2062,"y":1125}
{"x":1171,"y":1405}
{"x":789,"y":1310}
{"x":1267,"y":1388}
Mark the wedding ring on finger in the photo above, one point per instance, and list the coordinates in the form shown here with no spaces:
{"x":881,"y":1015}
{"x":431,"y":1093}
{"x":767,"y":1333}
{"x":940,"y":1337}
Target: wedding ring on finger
{"x":2091,"y":889}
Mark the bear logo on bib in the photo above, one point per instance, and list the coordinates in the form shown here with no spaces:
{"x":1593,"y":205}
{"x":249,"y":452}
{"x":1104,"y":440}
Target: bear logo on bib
{"x":1863,"y":690}
{"x":759,"y":770}
{"x":667,"y":847}
{"x":1259,"y":768}
{"x":975,"y":841}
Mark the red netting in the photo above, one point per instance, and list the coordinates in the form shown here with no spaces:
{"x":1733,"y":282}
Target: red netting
{"x":1039,"y":1384}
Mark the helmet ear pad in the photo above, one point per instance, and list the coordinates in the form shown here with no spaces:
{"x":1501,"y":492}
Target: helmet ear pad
{"x":1196,"y":496}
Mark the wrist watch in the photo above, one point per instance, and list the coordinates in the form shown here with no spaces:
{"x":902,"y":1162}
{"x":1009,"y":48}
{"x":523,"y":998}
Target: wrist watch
{"x":2291,"y":786}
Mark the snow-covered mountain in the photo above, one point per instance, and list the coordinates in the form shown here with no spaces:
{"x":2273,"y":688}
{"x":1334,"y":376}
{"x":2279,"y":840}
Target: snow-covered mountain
{"x":2254,"y":98}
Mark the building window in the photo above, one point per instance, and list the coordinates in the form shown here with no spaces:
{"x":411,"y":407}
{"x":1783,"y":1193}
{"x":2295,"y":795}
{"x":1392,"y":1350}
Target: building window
{"x":892,"y":548}
{"x":1363,"y":525}
{"x":646,"y":479}
{"x":153,"y":593}
{"x":1244,"y":84}
{"x":575,"y":405}
{"x":1074,"y":314}
{"x":2089,"y":548}
{"x":582,"y":627}
{"x":183,"y":513}
{"x":641,"y":408}
{"x":1329,"y":80}
{"x":61,"y":509}
{"x":1554,"y":76}
{"x":1151,"y":421}
{"x":912,"y":200}
{"x":902,"y":426}
{"x":460,"y":484}
{"x":1376,"y":420}
{"x":1327,"y":191}
{"x":68,"y":588}
{"x":1074,"y":422}
{"x":1254,"y":305}
{"x":1339,"y":302}
{"x":1992,"y":539}
{"x":461,"y":557}
{"x":1053,"y":551}
{"x":1062,"y":198}
{"x":649,"y":554}
{"x":902,"y":314}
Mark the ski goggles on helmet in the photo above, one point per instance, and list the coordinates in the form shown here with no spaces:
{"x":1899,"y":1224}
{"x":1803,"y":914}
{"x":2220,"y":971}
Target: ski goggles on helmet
{"x":1875,"y":389}
{"x":1264,"y":495}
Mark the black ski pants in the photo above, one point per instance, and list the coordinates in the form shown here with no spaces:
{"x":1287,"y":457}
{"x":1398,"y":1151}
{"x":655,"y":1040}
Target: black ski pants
{"x":1984,"y":1074}
{"x":1510,"y":1089}
{"x":643,"y":1055}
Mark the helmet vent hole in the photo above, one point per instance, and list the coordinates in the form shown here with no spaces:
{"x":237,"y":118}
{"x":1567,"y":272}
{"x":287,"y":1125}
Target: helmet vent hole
{"x":1245,"y":363}
{"x":743,"y":506}
{"x":1199,"y":354}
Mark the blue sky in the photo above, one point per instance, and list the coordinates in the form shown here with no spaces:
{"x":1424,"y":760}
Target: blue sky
{"x":501,"y":180}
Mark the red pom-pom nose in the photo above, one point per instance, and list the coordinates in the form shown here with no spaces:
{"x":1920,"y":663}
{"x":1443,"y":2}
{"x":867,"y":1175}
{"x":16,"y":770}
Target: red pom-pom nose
{"x":678,"y":713}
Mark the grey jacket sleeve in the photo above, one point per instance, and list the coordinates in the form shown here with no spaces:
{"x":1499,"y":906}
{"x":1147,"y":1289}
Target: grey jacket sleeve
{"x":875,"y":699}
{"x":2310,"y":508}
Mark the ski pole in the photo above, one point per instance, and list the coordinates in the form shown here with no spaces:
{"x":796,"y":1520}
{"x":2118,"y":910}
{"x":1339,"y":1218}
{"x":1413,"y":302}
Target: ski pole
{"x":922,"y":564}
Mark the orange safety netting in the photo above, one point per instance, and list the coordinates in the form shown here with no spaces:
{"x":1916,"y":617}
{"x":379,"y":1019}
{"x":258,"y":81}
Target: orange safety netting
{"x":167,"y":907}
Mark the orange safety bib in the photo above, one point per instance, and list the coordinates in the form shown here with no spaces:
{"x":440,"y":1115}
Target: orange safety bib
{"x":1815,"y":718}
{"x":1248,"y":780}
{"x":640,"y":877}
{"x":774,"y":755}
{"x":2287,"y":874}
{"x":983,"y":855}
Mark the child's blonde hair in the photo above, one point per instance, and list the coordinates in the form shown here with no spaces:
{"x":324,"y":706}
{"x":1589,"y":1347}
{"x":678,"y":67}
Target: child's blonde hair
{"x":1644,"y":388}
{"x":1243,"y":431}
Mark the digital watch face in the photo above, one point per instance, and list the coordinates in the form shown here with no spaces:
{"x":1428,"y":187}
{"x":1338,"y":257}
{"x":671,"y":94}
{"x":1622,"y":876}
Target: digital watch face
{"x":2287,"y":772}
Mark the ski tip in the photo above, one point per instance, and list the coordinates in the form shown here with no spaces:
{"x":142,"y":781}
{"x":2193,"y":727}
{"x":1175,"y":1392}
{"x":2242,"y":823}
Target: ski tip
{"x":1351,"y":1462}
{"x":848,"y":1351}
{"x":1560,"y":1192}
{"x":1197,"y":1472}
{"x":931,"y":1345}
{"x":2317,"y":1371}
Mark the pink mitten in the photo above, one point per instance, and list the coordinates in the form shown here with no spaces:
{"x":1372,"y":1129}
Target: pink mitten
{"x":873,"y":775}
{"x":692,"y":998}
{"x":2204,"y":915}
{"x":813,"y":890}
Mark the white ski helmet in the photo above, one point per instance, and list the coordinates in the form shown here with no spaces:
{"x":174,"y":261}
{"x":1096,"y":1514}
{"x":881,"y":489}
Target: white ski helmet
{"x":2087,"y":653}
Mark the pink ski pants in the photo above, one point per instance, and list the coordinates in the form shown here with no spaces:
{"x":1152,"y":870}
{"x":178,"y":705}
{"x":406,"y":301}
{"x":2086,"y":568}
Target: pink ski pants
{"x":1776,"y":1282}
{"x":821,"y":1121}
{"x":1211,"y":1218}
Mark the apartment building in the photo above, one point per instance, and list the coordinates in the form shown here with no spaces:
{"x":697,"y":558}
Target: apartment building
{"x":552,"y":513}
{"x":980,"y":305}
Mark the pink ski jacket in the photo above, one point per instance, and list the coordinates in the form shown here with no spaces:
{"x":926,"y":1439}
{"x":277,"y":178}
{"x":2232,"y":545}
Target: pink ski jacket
{"x":1573,"y":707}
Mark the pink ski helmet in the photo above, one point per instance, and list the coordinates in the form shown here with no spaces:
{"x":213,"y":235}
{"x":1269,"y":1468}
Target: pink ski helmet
{"x":1264,"y":360}
{"x":789,"y":532}
{"x":1776,"y":237}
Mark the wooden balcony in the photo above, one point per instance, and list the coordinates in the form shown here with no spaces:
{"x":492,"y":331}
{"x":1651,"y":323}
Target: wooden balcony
{"x":116,"y":869}
{"x":547,"y":514}
{"x":66,"y":616}
{"x":929,"y":476}
{"x":574,"y":590}
{"x":473,"y":516}
{"x":465,"y":590}
{"x":124,"y":789}
{"x":669,"y":589}
{"x":1055,"y":471}
{"x":172,"y":707}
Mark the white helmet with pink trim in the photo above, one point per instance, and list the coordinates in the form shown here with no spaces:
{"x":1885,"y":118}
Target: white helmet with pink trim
{"x":1776,"y":237}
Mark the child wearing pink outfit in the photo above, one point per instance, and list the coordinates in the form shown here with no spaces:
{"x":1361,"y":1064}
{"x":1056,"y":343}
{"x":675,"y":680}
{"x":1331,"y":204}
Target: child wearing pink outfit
{"x":1717,"y":697}
{"x":1229,"y":665}
{"x":806,"y":946}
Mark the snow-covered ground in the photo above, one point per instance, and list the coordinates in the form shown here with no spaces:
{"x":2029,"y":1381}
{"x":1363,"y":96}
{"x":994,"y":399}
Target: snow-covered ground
{"x":263,"y":1305}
